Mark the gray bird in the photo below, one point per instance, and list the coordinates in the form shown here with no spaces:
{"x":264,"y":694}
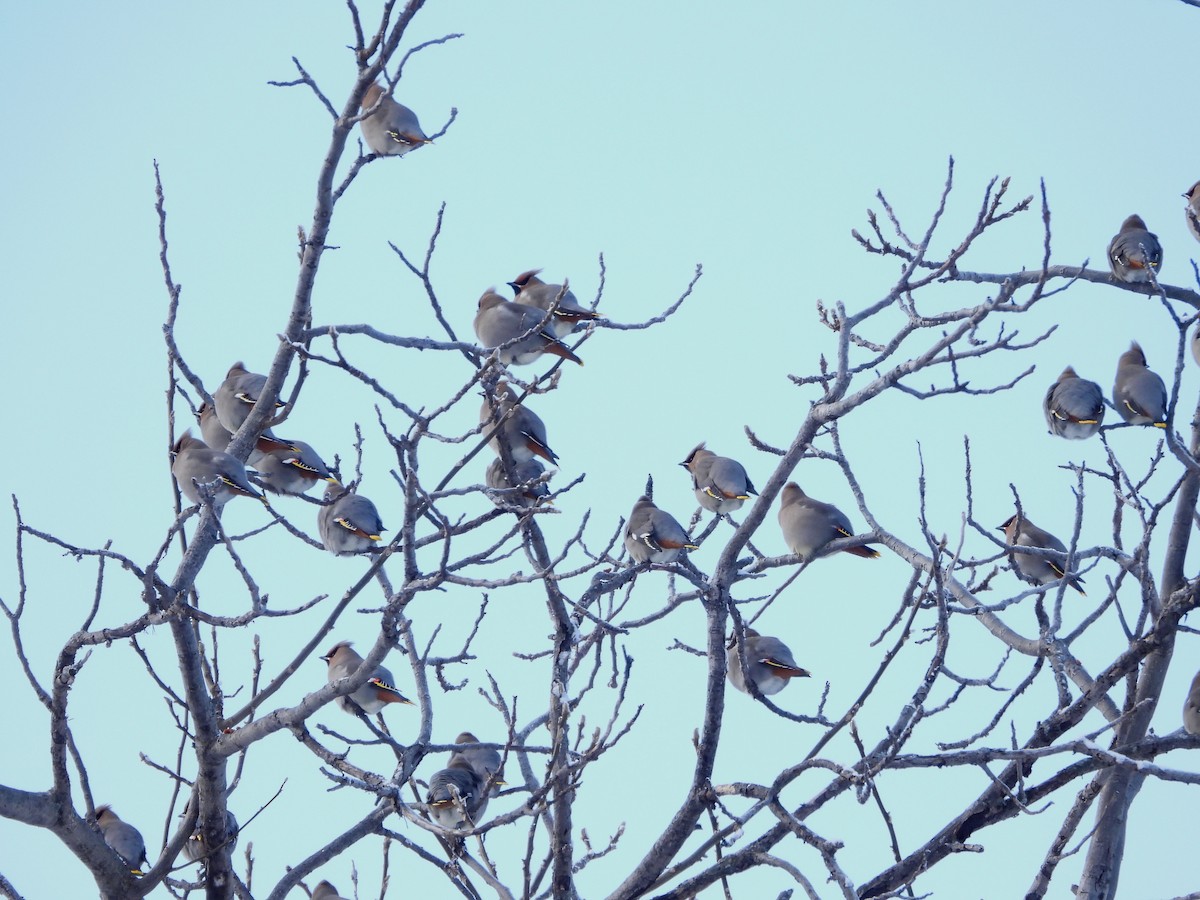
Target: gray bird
{"x":1192,"y":210}
{"x":1020,"y":532}
{"x":771,"y":664}
{"x":532,"y":291}
{"x":1074,"y":406}
{"x":808,"y":525}
{"x":237,"y":395}
{"x":500,"y":321}
{"x":125,"y":840}
{"x":526,"y":473}
{"x":652,"y":535}
{"x":197,"y":848}
{"x":456,"y":798}
{"x":1191,"y":708}
{"x":348,"y":523}
{"x":720,"y":483}
{"x":522,"y":431}
{"x":326,"y":891}
{"x":378,"y":692}
{"x":292,"y":470}
{"x":1134,"y":253}
{"x":1196,"y":343}
{"x":486,"y":764}
{"x":215,"y":434}
{"x":1138,"y":394}
{"x":393,"y":129}
{"x":194,"y":461}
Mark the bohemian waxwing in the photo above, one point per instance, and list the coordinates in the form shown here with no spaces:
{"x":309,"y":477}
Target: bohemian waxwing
{"x":1134,"y":252}
{"x":1074,"y":406}
{"x":532,"y":291}
{"x":125,"y":840}
{"x":526,"y":472}
{"x":292,"y":470}
{"x":771,"y":663}
{"x":1138,"y":394}
{"x":1192,"y":211}
{"x":326,"y":891}
{"x":215,"y":434}
{"x":393,"y":129}
{"x":808,"y":525}
{"x":721,"y":484}
{"x":520,"y":429}
{"x":499,"y":321}
{"x":197,"y":849}
{"x":652,"y":535}
{"x":460,"y":778}
{"x":1191,"y":708}
{"x":486,"y":765}
{"x":195,"y":462}
{"x":237,"y":395}
{"x":1020,"y":532}
{"x":348,"y":523}
{"x":378,"y":692}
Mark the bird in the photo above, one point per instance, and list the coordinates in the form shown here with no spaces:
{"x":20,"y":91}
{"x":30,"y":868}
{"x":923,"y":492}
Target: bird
{"x":195,"y":462}
{"x":348,"y":522}
{"x":521,"y":430}
{"x":326,"y":891}
{"x":215,"y":434}
{"x":808,"y":525}
{"x":532,"y":291}
{"x":197,"y":847}
{"x":456,"y":797}
{"x":1139,"y":394}
{"x":1134,"y":252}
{"x":1020,"y":532}
{"x":654,"y":536}
{"x":526,"y":473}
{"x":501,"y":321}
{"x":373,"y":696}
{"x":393,"y":129}
{"x":1191,"y":708}
{"x":292,"y":470}
{"x":123,"y":838}
{"x":1192,"y":211}
{"x":721,"y":484}
{"x":771,"y":664}
{"x":486,"y":764}
{"x":237,"y":395}
{"x":1074,"y":406}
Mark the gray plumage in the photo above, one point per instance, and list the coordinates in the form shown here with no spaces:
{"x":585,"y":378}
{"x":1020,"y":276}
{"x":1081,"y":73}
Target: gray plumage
{"x":1191,"y":708}
{"x":771,"y":664}
{"x":197,"y":848}
{"x":808,"y":525}
{"x":526,"y":473}
{"x":1020,"y":532}
{"x":1138,"y":394}
{"x":326,"y":891}
{"x":1196,"y":343}
{"x":499,"y":321}
{"x":215,"y":434}
{"x":125,"y":840}
{"x":194,"y":461}
{"x":652,"y":535}
{"x":378,"y":691}
{"x":721,"y":484}
{"x":1073,"y":406}
{"x":237,"y":395}
{"x":348,"y":523}
{"x":521,"y":430}
{"x":1191,"y":211}
{"x":292,"y":470}
{"x":1134,"y":252}
{"x":486,"y":765}
{"x":393,"y":129}
{"x":458,"y":778}
{"x":568,"y":314}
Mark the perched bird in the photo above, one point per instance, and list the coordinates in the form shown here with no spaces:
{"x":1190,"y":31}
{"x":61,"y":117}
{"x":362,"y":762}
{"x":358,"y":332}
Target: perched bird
{"x":1196,"y":343}
{"x":197,"y":848}
{"x":1138,"y":394}
{"x":326,"y":891}
{"x":532,"y":291}
{"x":1134,"y":252}
{"x":1074,"y":406}
{"x":456,"y":796}
{"x":486,"y":764}
{"x":292,"y":470}
{"x":125,"y":840}
{"x":393,"y":129}
{"x":215,"y":434}
{"x":771,"y":664}
{"x":500,"y":321}
{"x":195,"y":462}
{"x":526,"y":472}
{"x":1020,"y":532}
{"x":721,"y":484}
{"x":373,"y":696}
{"x":1192,"y":211}
{"x":1191,"y":708}
{"x":808,"y":525}
{"x":520,"y":428}
{"x":237,"y":395}
{"x":348,"y":522}
{"x":652,"y":535}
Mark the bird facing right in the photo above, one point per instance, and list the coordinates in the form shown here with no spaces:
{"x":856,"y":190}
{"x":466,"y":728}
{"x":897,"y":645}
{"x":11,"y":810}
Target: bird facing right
{"x":1134,"y":253}
{"x":1139,"y":394}
{"x":348,"y":523}
{"x":1073,"y":406}
{"x":771,"y":664}
{"x":808,"y":525}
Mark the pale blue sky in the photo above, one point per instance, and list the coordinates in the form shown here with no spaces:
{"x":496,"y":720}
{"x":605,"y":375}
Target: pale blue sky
{"x":749,"y":140}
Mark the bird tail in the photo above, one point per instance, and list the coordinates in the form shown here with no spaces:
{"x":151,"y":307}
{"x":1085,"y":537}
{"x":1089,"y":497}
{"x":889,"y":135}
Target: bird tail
{"x":558,"y":348}
{"x":864,"y":552}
